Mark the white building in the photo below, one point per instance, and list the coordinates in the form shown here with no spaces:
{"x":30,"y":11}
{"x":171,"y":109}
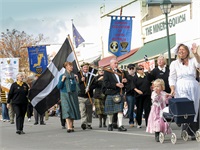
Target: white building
{"x":149,"y":30}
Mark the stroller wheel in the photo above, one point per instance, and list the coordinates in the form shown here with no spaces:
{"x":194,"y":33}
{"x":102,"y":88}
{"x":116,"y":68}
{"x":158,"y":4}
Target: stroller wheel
{"x":173,"y":138}
{"x":184,"y":135}
{"x":161,"y":137}
{"x":198,"y":136}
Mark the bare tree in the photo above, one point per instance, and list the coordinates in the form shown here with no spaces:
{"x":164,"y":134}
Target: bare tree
{"x":13,"y":44}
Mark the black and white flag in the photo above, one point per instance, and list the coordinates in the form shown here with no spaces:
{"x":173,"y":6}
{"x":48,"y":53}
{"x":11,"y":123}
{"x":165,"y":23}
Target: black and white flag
{"x":44,"y":93}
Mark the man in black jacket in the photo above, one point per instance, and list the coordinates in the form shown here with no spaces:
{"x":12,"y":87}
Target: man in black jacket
{"x":85,"y":95}
{"x":114,"y":82}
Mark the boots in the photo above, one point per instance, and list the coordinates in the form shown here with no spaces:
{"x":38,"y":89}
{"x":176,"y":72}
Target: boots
{"x":157,"y":136}
{"x":104,"y":121}
{"x":100,"y":121}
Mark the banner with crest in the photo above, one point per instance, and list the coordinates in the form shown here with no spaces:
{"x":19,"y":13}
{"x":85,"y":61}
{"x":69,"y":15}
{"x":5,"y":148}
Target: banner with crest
{"x":9,"y":69}
{"x":38,"y":59}
{"x":120,"y":35}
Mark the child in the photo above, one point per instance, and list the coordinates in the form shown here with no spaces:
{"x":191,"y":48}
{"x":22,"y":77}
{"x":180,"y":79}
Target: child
{"x":159,"y":100}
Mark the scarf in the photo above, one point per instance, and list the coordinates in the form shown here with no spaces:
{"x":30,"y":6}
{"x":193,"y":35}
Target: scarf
{"x":20,"y":83}
{"x":69,"y":78}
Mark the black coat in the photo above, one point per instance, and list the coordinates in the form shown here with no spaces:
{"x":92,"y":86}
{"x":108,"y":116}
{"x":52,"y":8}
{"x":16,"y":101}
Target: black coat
{"x":83,"y":87}
{"x":156,"y":73}
{"x":143,"y":84}
{"x":129,"y":85}
{"x":18,"y":94}
{"x":110,"y":82}
{"x":99,"y":87}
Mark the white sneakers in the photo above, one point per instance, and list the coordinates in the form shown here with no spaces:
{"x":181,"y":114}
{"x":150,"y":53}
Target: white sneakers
{"x":29,"y":119}
{"x":4,"y":120}
{"x":138,"y":126}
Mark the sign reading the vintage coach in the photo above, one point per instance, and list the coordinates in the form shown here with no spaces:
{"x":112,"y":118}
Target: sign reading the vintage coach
{"x":120,"y":35}
{"x":160,"y":26}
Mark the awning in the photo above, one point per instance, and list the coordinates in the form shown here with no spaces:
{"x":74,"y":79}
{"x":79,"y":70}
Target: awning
{"x":106,"y":61}
{"x":151,"y":49}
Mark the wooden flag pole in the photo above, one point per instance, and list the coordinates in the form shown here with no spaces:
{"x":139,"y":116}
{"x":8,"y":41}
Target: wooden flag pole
{"x":106,"y":69}
{"x":35,"y":45}
{"x":76,"y":59}
{"x":198,"y":70}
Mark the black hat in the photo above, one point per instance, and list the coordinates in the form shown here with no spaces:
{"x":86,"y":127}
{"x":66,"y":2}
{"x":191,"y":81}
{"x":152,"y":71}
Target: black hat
{"x":130,"y":66}
{"x":84,"y":63}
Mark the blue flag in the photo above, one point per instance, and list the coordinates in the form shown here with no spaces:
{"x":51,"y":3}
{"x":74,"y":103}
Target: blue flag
{"x":77,"y":37}
{"x":120,"y":35}
{"x":38,"y":59}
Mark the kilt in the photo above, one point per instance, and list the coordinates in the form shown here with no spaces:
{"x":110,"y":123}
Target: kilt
{"x":111,"y":107}
{"x":99,"y":106}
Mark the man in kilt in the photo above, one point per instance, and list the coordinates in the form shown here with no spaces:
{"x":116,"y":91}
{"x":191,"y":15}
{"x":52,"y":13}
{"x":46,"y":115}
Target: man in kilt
{"x":114,"y":86}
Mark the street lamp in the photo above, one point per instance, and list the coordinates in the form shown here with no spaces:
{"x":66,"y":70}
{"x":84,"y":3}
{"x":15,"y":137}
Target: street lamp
{"x":166,"y":6}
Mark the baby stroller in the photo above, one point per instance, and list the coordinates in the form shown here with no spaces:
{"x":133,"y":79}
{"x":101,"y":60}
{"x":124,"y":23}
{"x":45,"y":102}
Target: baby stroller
{"x":181,"y":111}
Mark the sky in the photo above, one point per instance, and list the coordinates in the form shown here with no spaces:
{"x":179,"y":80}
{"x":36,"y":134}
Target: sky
{"x":53,"y":18}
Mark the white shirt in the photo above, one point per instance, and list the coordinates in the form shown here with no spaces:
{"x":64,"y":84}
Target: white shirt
{"x":162,"y":69}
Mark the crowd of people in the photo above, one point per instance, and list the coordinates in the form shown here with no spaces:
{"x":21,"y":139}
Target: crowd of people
{"x":111,"y":90}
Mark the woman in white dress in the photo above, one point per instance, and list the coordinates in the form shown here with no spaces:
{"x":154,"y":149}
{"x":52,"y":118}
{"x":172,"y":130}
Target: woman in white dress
{"x":182,"y":78}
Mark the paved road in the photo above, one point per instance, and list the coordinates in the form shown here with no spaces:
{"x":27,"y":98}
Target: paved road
{"x":52,"y":137}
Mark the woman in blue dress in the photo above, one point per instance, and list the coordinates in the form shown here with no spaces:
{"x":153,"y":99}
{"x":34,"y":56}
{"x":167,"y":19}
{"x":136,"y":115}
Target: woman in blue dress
{"x":68,"y":86}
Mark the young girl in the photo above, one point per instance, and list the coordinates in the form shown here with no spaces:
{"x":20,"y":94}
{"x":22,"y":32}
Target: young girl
{"x":159,"y":100}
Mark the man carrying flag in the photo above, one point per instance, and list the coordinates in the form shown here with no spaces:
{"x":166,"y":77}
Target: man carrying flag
{"x":44,"y":92}
{"x":86,"y":93}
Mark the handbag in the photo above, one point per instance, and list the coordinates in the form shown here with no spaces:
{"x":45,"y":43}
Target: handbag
{"x":117,"y":99}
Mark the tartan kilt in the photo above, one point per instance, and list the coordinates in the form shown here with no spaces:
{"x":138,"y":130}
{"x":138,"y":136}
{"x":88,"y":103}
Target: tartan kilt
{"x":111,"y":107}
{"x":99,"y":106}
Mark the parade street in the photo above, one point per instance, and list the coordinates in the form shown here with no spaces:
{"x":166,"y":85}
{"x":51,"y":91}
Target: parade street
{"x":52,"y":137}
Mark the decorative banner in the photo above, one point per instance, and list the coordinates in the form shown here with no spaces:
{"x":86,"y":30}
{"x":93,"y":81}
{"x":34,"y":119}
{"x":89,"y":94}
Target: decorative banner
{"x":38,"y":59}
{"x":120,"y":35}
{"x":9,"y":69}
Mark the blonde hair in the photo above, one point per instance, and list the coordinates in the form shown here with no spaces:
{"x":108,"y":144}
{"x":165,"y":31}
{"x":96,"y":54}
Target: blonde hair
{"x":160,"y":82}
{"x":162,"y":57}
{"x":20,"y":74}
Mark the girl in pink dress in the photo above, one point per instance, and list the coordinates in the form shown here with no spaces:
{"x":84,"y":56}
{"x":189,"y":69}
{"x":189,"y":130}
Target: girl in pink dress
{"x":159,"y":98}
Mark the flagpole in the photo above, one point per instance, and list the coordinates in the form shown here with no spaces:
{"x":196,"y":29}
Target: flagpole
{"x":73,"y":42}
{"x":105,"y":69}
{"x":35,"y":45}
{"x":79,"y":67}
